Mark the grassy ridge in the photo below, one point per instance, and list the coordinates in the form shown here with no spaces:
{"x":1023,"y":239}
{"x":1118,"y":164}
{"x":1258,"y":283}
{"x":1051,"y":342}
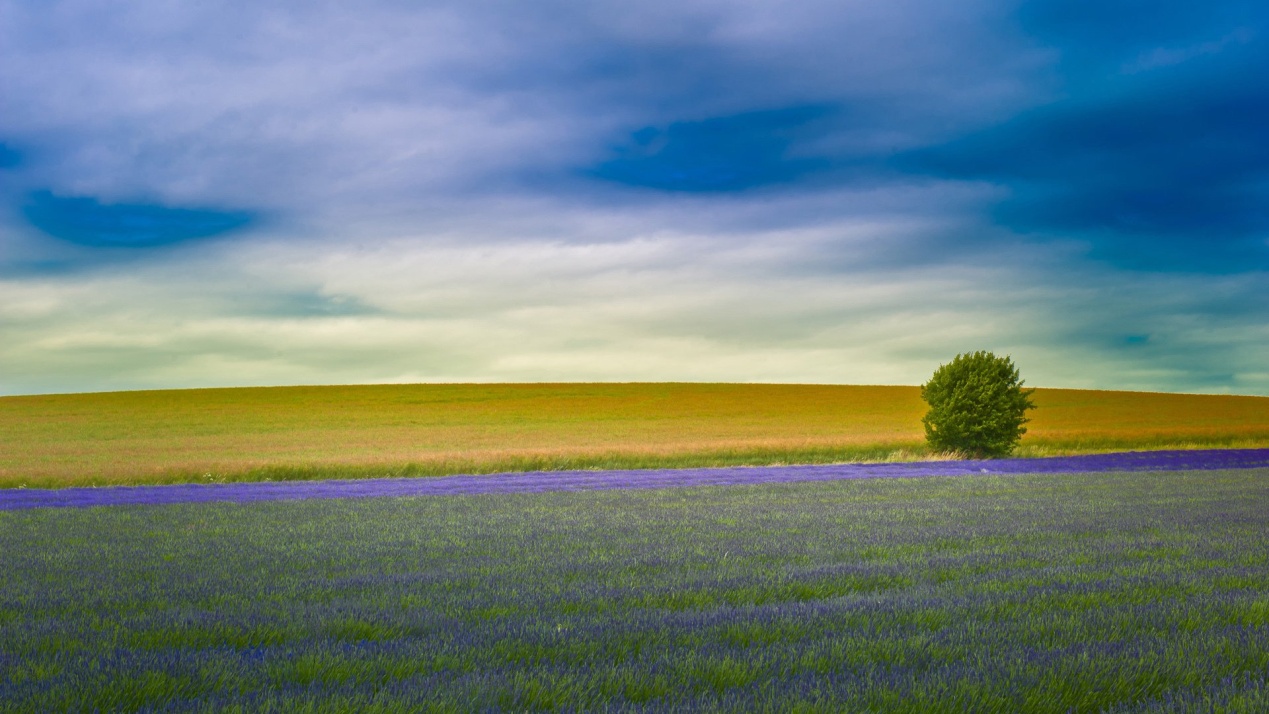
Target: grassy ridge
{"x":1108,"y":592}
{"x":361,"y":431}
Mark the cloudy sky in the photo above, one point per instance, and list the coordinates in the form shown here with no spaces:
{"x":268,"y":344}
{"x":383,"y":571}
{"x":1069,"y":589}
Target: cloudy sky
{"x":829,"y":191}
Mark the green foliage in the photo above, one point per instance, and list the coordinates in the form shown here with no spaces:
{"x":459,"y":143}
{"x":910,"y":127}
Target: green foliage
{"x":977,"y":405}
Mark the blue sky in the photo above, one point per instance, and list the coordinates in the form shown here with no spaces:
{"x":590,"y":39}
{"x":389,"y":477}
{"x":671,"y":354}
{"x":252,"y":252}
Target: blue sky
{"x":245,"y":193}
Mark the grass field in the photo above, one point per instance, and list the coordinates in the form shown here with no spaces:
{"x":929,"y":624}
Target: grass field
{"x":359,"y":431}
{"x":1109,"y":592}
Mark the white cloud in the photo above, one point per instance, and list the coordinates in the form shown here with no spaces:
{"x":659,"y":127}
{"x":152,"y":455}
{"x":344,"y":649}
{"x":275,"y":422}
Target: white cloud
{"x":649,"y":304}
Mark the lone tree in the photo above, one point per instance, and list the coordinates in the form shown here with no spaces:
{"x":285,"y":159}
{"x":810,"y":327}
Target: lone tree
{"x":977,"y":405}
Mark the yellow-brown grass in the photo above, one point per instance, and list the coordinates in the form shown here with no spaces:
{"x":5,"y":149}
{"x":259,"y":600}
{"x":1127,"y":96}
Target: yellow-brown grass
{"x":356,"y":431}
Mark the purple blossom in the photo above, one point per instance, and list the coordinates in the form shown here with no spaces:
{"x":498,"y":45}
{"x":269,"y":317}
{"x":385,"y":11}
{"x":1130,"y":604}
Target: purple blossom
{"x":539,"y":481}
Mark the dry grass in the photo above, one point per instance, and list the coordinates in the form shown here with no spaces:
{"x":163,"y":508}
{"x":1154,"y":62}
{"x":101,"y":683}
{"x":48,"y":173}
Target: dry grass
{"x":352,"y":431}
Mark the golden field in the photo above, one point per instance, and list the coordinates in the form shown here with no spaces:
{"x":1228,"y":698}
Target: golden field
{"x":380,"y":430}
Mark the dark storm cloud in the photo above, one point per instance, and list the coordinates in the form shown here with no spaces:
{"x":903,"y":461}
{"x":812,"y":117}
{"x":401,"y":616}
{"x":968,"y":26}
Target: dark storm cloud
{"x":1156,"y":153}
{"x":88,"y":222}
{"x":1158,"y":156}
{"x":729,"y":153}
{"x":1096,"y":37}
{"x":9,"y":157}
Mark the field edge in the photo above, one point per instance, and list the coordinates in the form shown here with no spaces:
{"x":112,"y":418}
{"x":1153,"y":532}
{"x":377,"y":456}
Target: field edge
{"x":892,"y":452}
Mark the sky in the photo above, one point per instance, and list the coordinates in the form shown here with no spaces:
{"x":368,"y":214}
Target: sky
{"x":815,"y":191}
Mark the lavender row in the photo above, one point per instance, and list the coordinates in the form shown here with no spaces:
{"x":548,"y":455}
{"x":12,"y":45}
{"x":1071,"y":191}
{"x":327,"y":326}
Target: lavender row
{"x":533,"y":482}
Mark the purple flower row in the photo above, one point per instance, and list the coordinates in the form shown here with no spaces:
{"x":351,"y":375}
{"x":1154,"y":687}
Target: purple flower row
{"x":1208,"y":459}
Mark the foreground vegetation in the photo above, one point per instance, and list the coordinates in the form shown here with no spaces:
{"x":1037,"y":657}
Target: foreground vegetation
{"x":362,"y":431}
{"x":1112,"y":592}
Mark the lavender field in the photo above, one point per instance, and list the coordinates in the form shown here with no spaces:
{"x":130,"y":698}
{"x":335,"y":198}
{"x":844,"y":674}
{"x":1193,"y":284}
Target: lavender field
{"x":1119,"y":591}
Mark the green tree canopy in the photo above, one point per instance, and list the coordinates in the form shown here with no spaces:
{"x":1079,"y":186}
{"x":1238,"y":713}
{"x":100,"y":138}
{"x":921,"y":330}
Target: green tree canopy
{"x":977,"y":405}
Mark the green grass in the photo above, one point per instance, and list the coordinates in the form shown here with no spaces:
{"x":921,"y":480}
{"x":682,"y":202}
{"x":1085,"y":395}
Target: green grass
{"x":423,"y":430}
{"x":1043,"y":593}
